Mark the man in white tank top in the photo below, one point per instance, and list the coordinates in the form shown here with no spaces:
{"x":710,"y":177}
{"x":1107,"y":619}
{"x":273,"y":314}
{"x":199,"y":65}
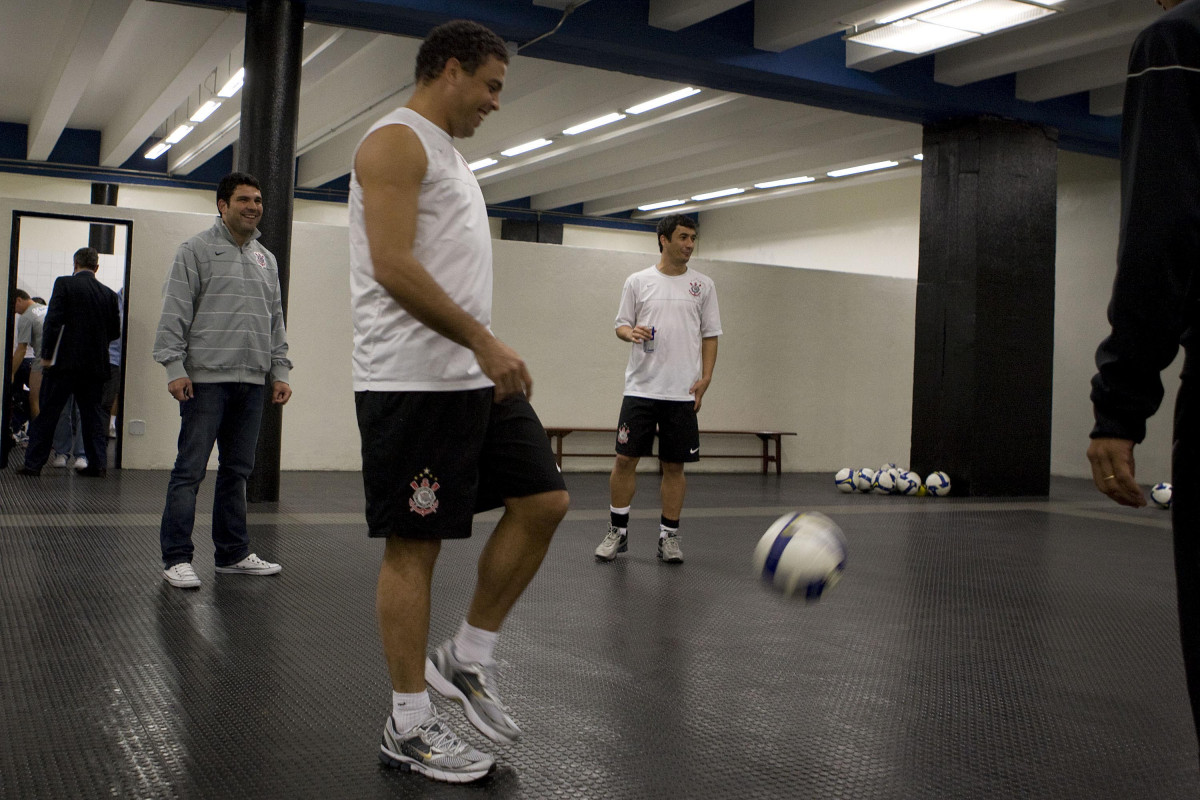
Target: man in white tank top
{"x":669,"y":314}
{"x":446,"y":426}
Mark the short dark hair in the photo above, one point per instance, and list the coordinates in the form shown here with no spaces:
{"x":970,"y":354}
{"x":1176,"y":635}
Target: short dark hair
{"x":41,"y":301}
{"x":668,"y":224}
{"x":467,"y":41}
{"x":21,"y":294}
{"x":233,"y":180}
{"x":87,"y":257}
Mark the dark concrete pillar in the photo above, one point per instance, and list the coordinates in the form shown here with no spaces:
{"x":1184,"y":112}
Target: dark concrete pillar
{"x":267,"y":150}
{"x":103,"y":237}
{"x":984,"y":359}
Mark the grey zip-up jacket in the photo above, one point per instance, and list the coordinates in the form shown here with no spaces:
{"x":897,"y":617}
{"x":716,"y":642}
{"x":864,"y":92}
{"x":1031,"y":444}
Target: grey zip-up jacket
{"x":222,"y":313}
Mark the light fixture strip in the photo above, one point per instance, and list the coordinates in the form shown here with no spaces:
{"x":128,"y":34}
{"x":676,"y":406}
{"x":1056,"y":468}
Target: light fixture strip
{"x":205,"y":111}
{"x":234,"y":84}
{"x":525,"y":148}
{"x":878,"y":165}
{"x":481,"y":163}
{"x":178,"y":134}
{"x":157,"y":150}
{"x":718,"y":193}
{"x":784,"y":182}
{"x":607,"y":119}
{"x":663,"y":204}
{"x":649,"y":105}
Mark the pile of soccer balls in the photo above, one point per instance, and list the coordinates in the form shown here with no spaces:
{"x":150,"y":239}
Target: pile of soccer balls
{"x":890,"y":479}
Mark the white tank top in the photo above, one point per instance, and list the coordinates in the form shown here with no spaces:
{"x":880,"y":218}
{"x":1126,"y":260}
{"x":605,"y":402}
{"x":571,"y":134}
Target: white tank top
{"x":393,"y":352}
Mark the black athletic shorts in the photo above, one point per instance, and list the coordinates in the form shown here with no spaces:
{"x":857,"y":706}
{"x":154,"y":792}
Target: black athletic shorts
{"x":431,"y":460}
{"x":675,"y":421}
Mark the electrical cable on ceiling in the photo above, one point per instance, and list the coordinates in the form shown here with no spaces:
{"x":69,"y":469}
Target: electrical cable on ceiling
{"x":570,"y":8}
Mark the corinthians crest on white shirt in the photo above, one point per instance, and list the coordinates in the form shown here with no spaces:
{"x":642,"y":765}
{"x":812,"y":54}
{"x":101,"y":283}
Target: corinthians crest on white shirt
{"x":424,"y":500}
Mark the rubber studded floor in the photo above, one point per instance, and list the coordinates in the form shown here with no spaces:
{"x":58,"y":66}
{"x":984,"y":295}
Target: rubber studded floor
{"x":974,"y":649}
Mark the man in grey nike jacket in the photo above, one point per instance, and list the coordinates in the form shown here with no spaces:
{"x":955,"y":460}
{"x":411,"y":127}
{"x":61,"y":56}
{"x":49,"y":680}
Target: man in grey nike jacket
{"x":221,"y":338}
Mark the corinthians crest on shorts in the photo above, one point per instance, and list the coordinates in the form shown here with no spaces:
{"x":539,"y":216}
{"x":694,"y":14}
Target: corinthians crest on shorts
{"x":623,"y":434}
{"x":424,"y":499}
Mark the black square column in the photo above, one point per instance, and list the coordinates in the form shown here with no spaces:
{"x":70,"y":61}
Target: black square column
{"x":984,"y":356}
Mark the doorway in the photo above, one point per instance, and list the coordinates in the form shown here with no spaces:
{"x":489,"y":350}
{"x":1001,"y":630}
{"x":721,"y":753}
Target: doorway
{"x":41,"y":251}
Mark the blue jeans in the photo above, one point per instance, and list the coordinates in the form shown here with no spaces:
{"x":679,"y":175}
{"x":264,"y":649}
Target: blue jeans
{"x":68,"y":434}
{"x":227,"y":414}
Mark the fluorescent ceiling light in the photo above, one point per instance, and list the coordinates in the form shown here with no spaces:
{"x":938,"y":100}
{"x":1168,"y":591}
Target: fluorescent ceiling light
{"x":784,"y":182}
{"x":232,"y":85}
{"x":157,"y":150}
{"x":919,"y":157}
{"x":205,"y":111}
{"x":481,"y":163}
{"x":641,"y":108}
{"x":912,"y":36}
{"x":595,"y":123}
{"x":841,"y":173}
{"x":984,"y":16}
{"x":179,"y":133}
{"x":911,"y":11}
{"x":663,"y":204}
{"x":525,"y":148}
{"x":716,"y":194}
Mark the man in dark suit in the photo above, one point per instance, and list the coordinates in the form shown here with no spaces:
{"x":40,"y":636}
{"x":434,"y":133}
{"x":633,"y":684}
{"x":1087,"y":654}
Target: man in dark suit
{"x":82,"y":319}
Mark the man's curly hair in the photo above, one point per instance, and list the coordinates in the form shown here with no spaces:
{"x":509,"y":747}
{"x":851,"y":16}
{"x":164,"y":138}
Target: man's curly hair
{"x":469,"y":42}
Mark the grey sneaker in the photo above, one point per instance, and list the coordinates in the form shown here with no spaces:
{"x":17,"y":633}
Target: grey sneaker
{"x":615,"y":542}
{"x":251,"y":565}
{"x":669,"y":551}
{"x":473,"y":686}
{"x":182,"y":575}
{"x":433,"y":750}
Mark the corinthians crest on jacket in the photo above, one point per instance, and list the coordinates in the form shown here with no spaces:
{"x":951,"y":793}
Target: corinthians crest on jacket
{"x":424,"y":499}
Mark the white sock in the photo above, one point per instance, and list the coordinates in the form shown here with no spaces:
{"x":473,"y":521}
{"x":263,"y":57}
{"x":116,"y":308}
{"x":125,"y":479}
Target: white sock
{"x":664,"y":531}
{"x":474,"y":645}
{"x":410,"y":710}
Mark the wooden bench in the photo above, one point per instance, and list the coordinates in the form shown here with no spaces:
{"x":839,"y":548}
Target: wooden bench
{"x":557,"y":434}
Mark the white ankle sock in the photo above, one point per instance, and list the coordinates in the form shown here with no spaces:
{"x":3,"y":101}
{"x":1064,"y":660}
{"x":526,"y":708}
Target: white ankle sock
{"x":410,"y":710}
{"x":474,"y":645}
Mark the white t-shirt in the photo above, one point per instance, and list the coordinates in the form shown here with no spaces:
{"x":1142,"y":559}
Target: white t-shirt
{"x":393,"y":352}
{"x":683,"y":310}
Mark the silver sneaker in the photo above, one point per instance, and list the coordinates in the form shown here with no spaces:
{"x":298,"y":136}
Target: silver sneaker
{"x":615,"y":542}
{"x":473,"y":686}
{"x":669,"y":551}
{"x":182,"y":575}
{"x":434,"y":750}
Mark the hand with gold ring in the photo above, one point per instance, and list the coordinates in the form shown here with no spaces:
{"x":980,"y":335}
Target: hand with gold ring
{"x":1113,"y":470}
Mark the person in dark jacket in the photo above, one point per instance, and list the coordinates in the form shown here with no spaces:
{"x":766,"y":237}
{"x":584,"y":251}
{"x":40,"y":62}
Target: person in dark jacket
{"x":80,"y":322}
{"x":1154,"y":300}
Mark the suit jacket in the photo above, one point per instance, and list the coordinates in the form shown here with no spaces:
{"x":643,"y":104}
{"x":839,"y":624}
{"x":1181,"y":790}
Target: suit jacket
{"x":84,"y":314}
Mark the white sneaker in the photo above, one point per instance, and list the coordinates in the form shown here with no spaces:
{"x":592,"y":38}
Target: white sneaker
{"x":182,"y":575}
{"x":81,"y":463}
{"x":59,"y":461}
{"x":251,"y":565}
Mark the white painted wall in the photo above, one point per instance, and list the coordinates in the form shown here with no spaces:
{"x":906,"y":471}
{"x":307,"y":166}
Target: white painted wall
{"x":824,"y":348}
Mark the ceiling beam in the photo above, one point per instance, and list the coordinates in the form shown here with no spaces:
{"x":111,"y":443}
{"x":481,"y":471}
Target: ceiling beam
{"x":675,"y":15}
{"x":89,"y":27}
{"x":857,"y":142}
{"x":151,"y":103}
{"x":1067,"y":35}
{"x":1107,"y":101}
{"x":1072,"y":75}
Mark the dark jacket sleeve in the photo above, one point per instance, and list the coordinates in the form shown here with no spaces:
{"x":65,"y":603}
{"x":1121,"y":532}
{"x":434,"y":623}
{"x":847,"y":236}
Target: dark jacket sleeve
{"x":1154,"y":294}
{"x":56,"y":316}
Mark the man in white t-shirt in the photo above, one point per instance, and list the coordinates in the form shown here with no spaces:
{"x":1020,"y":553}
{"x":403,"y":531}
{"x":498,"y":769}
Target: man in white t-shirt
{"x":669,"y":314}
{"x":447,"y":429}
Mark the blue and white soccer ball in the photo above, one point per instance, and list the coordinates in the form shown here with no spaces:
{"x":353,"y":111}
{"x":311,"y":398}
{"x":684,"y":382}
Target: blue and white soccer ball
{"x":938,"y":484}
{"x":1161,"y":494}
{"x":843,"y":479}
{"x":802,"y":553}
{"x":908,"y":483}
{"x":863,"y":479}
{"x":884,"y":483}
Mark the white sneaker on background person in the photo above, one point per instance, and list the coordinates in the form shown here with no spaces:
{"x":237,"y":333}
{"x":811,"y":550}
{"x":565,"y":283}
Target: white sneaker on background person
{"x":59,"y":460}
{"x":81,"y":463}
